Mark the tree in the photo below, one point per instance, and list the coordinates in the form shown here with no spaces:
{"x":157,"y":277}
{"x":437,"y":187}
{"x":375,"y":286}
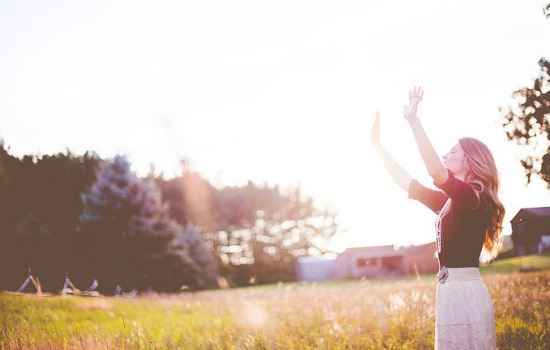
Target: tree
{"x":192,"y":200}
{"x":201,"y":255}
{"x":268,"y":230}
{"x":35,"y":245}
{"x":41,"y":227}
{"x":130,"y":236}
{"x":41,"y":193}
{"x":528,"y":123}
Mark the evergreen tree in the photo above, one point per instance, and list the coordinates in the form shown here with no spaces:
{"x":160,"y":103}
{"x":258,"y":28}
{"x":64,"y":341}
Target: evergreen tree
{"x":201,"y":255}
{"x":129,"y":233}
{"x":41,"y":193}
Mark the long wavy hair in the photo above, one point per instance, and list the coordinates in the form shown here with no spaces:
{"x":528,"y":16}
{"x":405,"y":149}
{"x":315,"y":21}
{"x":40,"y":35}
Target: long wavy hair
{"x":482,"y":174}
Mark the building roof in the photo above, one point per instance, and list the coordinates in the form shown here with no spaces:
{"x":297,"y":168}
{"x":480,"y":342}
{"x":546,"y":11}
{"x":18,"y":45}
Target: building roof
{"x":532,"y":214}
{"x":385,"y":250}
{"x":314,"y":259}
{"x":375,"y":250}
{"x":419,"y":247}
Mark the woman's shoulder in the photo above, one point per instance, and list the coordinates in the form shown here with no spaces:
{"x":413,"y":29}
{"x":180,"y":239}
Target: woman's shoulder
{"x":478,"y":203}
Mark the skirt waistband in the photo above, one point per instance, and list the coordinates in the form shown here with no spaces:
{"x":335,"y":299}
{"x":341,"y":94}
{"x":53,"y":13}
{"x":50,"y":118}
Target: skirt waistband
{"x":463,"y":273}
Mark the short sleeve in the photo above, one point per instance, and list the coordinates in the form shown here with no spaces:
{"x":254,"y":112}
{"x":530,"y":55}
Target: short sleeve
{"x":462,"y":193}
{"x":431,"y":198}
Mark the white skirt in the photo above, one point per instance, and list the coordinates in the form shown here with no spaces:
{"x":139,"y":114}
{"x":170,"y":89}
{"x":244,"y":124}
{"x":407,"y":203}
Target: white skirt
{"x":464,"y":317}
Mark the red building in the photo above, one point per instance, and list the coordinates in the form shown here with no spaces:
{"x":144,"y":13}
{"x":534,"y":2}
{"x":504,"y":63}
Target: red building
{"x":378,"y":261}
{"x":386,"y":260}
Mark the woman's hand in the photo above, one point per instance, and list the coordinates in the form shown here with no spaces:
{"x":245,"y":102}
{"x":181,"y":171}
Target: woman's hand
{"x":415,"y":96}
{"x":375,"y":131}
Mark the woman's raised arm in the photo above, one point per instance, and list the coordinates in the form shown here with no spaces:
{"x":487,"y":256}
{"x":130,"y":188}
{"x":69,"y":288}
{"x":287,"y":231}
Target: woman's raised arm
{"x":398,"y":174}
{"x":433,"y":164}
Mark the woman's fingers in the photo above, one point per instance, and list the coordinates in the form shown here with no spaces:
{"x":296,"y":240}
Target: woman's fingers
{"x":415,"y":96}
{"x":416,"y":93}
{"x":419,"y":92}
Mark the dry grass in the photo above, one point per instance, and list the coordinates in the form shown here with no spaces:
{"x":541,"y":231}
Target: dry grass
{"x":391,"y":314}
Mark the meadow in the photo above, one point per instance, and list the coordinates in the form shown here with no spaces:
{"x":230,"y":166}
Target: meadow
{"x":367,"y":314}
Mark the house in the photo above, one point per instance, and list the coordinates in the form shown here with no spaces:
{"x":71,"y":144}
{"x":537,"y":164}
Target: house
{"x":378,"y":261}
{"x":531,"y":230}
{"x":386,"y":260}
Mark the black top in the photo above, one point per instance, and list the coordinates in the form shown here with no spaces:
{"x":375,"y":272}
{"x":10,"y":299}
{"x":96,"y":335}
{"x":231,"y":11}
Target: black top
{"x":462,"y":227}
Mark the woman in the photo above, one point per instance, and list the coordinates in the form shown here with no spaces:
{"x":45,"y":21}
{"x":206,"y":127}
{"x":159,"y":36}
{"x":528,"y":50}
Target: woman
{"x":469,"y":219}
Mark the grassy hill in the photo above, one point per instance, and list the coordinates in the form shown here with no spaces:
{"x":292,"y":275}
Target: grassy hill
{"x":534,"y":262}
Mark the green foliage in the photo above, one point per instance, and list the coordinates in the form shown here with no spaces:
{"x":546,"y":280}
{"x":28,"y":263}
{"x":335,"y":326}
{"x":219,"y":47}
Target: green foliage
{"x":64,"y":214}
{"x":528,"y":123}
{"x":127,"y":229}
{"x":256,"y":232}
{"x":201,"y":257}
{"x":39,"y":207}
{"x":268,"y":230}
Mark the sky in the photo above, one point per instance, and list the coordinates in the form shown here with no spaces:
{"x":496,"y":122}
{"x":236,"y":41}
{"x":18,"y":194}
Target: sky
{"x":278,"y":92}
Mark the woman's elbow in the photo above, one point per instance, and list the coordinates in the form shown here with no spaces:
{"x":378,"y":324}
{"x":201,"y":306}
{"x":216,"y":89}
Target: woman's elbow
{"x":439,"y":175}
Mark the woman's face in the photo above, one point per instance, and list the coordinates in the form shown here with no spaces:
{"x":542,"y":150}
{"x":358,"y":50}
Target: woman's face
{"x":455,"y":161}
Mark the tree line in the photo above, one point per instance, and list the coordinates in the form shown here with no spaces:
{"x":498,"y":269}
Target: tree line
{"x":92,"y":218}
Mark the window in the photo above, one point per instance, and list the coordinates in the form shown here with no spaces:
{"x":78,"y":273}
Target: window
{"x":365,"y":262}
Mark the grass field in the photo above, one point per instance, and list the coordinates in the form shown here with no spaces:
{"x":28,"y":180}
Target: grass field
{"x":518,"y":264}
{"x":391,"y":314}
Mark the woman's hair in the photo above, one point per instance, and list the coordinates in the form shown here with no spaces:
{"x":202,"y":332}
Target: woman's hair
{"x":482,"y":174}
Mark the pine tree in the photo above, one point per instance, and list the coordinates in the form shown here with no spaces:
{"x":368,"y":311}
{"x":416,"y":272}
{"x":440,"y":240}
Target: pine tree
{"x":203,"y":258}
{"x":131,"y":238}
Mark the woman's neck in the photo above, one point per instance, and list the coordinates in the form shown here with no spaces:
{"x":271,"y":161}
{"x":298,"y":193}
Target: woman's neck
{"x":461,"y":176}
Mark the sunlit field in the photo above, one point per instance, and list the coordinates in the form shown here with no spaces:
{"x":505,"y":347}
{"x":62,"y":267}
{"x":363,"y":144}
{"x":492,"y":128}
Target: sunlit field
{"x":391,"y":314}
